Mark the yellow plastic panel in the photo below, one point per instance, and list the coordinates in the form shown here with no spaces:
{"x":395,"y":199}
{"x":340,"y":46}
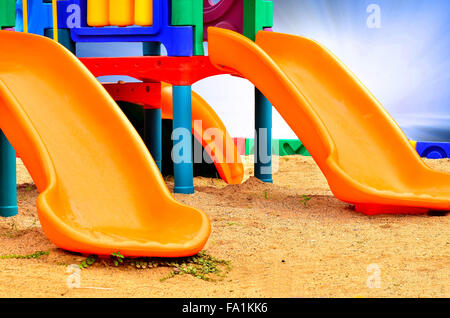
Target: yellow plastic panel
{"x":98,"y":13}
{"x":144,"y":12}
{"x":121,"y":12}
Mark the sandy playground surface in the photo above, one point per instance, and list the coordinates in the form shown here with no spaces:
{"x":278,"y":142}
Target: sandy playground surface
{"x":277,"y":246}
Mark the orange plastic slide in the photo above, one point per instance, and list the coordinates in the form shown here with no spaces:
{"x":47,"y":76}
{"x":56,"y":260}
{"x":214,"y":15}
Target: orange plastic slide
{"x":366,"y":158}
{"x":100,"y":190}
{"x":223,"y":151}
{"x":208,"y":130}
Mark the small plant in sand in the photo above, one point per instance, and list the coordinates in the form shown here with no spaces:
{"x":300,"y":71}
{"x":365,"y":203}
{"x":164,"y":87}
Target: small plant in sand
{"x":266,"y":195}
{"x":202,"y":266}
{"x":117,"y":258}
{"x":35,"y":255}
{"x":91,"y":259}
{"x":305,"y":199}
{"x":13,"y":225}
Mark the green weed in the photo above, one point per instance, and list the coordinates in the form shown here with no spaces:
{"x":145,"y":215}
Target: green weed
{"x":35,"y":255}
{"x":117,"y":258}
{"x":305,"y":199}
{"x":91,"y":259}
{"x":202,"y":266}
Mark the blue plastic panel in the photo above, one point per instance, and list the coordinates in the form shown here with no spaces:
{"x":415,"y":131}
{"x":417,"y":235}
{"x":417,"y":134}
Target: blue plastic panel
{"x":433,"y":150}
{"x":72,"y":14}
{"x":178,"y":40}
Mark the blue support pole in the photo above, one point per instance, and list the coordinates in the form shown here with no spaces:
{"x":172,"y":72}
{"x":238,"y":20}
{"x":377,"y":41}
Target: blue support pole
{"x":182,"y":140}
{"x":153,"y":117}
{"x":8,"y":190}
{"x":151,"y":48}
{"x":153,"y":134}
{"x":263,"y":138}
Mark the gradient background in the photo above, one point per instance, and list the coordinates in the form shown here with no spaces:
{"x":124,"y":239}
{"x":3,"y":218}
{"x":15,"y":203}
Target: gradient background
{"x":405,"y":63}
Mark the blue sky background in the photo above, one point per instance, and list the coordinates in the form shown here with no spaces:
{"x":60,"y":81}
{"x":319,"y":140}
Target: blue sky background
{"x":405,"y":63}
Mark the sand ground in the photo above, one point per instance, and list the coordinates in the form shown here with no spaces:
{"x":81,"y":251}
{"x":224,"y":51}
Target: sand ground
{"x":278,"y":247}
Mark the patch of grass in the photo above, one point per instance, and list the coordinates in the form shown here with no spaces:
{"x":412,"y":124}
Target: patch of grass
{"x":35,"y":255}
{"x":266,"y":195}
{"x":117,"y":258}
{"x":202,"y":266}
{"x":233,"y":224}
{"x":91,"y":259}
{"x":28,"y":187}
{"x":13,"y":225}
{"x":8,"y":235}
{"x":305,"y":199}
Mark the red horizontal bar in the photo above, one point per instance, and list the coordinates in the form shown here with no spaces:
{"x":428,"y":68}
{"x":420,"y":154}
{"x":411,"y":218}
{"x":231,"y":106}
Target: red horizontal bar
{"x":147,"y":95}
{"x":173,"y":70}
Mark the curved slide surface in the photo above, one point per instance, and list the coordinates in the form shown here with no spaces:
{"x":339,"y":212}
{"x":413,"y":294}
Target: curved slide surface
{"x":100,"y":190}
{"x":223,"y":151}
{"x":219,"y":146}
{"x":366,"y":158}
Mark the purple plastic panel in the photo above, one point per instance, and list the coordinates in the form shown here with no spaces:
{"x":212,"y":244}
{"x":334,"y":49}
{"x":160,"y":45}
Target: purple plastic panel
{"x":226,"y":14}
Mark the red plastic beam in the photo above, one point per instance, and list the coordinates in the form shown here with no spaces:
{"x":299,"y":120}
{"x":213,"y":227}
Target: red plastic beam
{"x":148,"y":95}
{"x":182,"y":71}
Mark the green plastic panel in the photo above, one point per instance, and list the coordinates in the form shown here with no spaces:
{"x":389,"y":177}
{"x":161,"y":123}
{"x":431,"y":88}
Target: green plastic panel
{"x":280,"y":147}
{"x":7,"y":13}
{"x":190,"y":13}
{"x":258,"y":14}
{"x":289,"y":147}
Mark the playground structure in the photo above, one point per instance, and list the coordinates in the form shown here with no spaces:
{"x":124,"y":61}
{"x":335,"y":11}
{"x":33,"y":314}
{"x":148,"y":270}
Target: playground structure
{"x":101,"y":191}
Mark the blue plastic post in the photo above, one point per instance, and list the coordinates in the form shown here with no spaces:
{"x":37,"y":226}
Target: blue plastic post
{"x":182,"y":140}
{"x":153,"y":117}
{"x":263,"y":138}
{"x":151,"y":49}
{"x":153,"y":133}
{"x":8,"y":190}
